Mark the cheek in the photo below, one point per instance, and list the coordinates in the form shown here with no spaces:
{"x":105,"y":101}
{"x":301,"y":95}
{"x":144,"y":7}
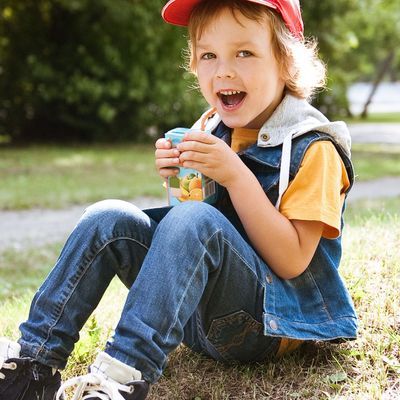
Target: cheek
{"x":205,"y":84}
{"x":270,"y":81}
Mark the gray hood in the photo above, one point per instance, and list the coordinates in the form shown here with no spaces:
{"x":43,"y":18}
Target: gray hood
{"x":296,"y":117}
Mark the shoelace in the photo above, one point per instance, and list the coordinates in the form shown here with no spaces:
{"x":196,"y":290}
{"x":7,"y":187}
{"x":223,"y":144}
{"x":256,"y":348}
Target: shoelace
{"x":4,"y":365}
{"x":94,"y":385}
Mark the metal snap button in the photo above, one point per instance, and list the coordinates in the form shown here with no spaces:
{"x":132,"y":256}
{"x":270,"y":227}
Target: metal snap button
{"x":265,"y":137}
{"x":273,"y":324}
{"x":268,"y":278}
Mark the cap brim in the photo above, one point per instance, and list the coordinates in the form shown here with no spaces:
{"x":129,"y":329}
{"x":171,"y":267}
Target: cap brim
{"x":177,"y":12}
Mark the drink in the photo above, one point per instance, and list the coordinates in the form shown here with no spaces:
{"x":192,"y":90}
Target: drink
{"x":188,"y":184}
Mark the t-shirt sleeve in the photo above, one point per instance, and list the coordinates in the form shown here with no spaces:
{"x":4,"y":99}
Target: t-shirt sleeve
{"x":317,"y":191}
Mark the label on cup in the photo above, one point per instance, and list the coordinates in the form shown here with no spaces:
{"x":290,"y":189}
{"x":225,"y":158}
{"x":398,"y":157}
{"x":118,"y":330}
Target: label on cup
{"x":189,"y":184}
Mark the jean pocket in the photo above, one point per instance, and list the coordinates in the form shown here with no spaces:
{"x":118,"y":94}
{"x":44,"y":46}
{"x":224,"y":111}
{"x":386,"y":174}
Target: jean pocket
{"x":240,"y":337}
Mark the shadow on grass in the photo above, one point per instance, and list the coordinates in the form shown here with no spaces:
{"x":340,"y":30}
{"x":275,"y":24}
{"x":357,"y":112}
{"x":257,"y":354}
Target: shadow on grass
{"x":310,"y":372}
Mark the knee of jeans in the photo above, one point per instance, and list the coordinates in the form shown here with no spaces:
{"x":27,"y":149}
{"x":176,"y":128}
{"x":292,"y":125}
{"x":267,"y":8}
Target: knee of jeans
{"x":112,"y":214}
{"x":195,"y":210}
{"x":192,"y":214}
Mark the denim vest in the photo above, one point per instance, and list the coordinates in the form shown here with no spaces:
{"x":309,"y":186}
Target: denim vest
{"x":316,"y":305}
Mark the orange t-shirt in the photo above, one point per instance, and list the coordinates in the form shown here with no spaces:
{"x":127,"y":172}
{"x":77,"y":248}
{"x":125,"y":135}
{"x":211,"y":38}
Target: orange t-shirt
{"x":242,"y":138}
{"x":317,"y":191}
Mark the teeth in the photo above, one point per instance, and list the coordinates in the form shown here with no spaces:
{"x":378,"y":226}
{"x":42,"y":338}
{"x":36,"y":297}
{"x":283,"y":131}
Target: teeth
{"x":229,"y":92}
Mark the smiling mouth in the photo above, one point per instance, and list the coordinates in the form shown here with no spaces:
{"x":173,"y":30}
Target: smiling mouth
{"x":231,"y":98}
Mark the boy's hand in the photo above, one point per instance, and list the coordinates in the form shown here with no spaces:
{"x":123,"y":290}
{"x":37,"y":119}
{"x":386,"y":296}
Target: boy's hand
{"x":211,"y":156}
{"x":166,"y":158}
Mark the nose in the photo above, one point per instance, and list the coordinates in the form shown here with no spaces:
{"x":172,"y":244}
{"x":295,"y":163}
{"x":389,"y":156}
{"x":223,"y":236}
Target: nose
{"x":225,"y":70}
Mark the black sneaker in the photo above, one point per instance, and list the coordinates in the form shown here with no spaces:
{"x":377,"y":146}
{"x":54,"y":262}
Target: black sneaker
{"x":26,"y":379}
{"x":94,"y":386}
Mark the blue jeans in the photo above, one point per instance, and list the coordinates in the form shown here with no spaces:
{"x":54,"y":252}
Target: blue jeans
{"x":192,"y":278}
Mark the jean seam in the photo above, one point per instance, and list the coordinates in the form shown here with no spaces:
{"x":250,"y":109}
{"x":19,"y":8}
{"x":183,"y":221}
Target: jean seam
{"x":322,"y":297}
{"x":84,"y":270}
{"x":188,"y":285}
{"x":244,"y":261}
{"x":125,"y":238}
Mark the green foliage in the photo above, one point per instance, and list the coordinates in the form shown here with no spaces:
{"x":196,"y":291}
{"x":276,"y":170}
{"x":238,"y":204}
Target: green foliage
{"x":355,"y":36}
{"x":324,"y":20}
{"x":93,"y":69}
{"x":89,"y":340}
{"x":112,"y":69}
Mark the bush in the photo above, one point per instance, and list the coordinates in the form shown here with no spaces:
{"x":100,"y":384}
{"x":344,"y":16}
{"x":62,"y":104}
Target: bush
{"x":91,"y":70}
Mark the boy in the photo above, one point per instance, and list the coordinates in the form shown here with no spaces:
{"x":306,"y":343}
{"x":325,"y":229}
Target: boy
{"x":246,"y":279}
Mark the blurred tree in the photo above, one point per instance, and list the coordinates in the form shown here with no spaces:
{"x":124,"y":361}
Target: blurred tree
{"x":355,"y":38}
{"x":91,"y":70}
{"x":111,"y":69}
{"x":384,"y":43}
{"x":337,"y":40}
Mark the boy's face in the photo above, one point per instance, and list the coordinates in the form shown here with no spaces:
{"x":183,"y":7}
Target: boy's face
{"x":237,"y":70}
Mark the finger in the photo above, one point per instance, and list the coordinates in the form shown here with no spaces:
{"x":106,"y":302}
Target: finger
{"x":192,"y":156}
{"x":200,"y":137}
{"x":193,"y":145}
{"x":198,"y":166}
{"x":161,"y":153}
{"x":167,"y":172}
{"x":167,"y":162}
{"x":163,"y":143}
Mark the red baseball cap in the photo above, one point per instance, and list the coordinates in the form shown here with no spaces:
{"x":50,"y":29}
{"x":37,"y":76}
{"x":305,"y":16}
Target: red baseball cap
{"x":177,"y":12}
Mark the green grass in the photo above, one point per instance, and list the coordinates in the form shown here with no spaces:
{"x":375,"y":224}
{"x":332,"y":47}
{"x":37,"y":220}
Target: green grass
{"x":55,"y":177}
{"x":368,"y":211}
{"x":375,"y":118}
{"x":367,"y":368}
{"x":27,"y":269}
{"x":374,"y":161}
{"x":51,"y":176}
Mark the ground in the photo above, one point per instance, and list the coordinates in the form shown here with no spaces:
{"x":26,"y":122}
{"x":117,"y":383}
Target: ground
{"x":40,"y":226}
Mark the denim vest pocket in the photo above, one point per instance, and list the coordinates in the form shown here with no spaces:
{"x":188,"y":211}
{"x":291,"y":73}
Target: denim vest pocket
{"x":240,"y":337}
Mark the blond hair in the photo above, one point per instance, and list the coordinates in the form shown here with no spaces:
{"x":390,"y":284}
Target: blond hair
{"x":300,"y":67}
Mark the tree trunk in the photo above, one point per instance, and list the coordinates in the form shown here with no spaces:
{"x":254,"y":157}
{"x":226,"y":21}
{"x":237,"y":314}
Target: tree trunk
{"x":381,"y":73}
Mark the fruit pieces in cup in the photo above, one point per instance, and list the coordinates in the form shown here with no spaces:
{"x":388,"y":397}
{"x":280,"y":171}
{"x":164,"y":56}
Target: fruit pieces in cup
{"x":190,"y":187}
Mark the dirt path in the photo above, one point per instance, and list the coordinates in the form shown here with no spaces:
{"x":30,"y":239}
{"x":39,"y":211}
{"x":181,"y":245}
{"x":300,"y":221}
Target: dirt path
{"x":36,"y":227}
{"x":388,"y":133}
{"x":384,"y":187}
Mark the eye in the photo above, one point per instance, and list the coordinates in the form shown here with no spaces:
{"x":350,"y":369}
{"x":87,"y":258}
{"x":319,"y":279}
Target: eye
{"x":244,"y":53}
{"x":207,"y":56}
